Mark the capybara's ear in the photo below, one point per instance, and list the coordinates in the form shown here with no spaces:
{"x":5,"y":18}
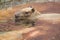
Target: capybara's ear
{"x":33,"y":10}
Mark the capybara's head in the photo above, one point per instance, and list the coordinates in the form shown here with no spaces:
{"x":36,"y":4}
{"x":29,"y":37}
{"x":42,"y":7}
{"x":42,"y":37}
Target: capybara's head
{"x":24,"y":14}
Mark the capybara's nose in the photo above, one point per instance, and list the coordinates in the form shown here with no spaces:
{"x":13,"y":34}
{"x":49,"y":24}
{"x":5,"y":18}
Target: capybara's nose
{"x":16,"y":16}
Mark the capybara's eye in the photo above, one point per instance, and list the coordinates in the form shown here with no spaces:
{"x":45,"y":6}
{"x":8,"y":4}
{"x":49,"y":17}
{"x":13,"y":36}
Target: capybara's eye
{"x":33,"y":10}
{"x":26,"y":12}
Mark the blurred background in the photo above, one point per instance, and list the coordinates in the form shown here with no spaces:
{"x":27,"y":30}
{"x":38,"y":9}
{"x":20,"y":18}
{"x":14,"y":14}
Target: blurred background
{"x":10,"y":3}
